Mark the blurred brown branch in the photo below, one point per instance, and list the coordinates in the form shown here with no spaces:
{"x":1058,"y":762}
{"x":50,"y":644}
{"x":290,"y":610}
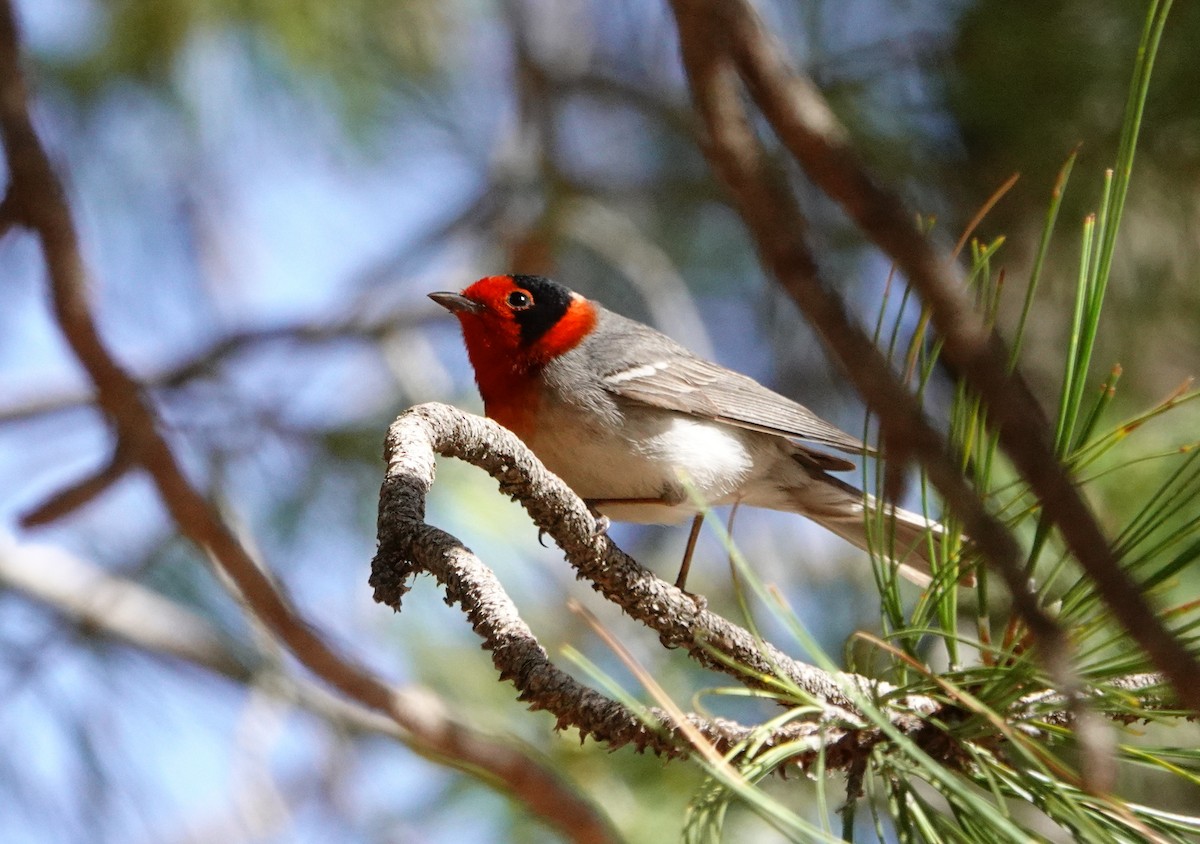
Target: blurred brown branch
{"x":204,"y":362}
{"x":35,"y":200}
{"x":80,"y":492}
{"x":127,"y":612}
{"x":724,"y":43}
{"x":778,"y":227}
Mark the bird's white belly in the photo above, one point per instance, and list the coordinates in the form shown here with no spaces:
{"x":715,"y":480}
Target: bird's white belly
{"x":653,"y":456}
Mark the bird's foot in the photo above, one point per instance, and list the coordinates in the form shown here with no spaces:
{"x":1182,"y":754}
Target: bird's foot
{"x":602,"y":525}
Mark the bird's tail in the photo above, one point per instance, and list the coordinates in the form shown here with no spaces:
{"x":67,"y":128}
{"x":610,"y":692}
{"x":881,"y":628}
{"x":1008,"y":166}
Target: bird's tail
{"x":901,"y":537}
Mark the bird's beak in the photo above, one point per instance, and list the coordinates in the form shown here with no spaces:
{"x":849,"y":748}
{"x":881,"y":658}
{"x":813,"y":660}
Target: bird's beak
{"x":456,"y":303}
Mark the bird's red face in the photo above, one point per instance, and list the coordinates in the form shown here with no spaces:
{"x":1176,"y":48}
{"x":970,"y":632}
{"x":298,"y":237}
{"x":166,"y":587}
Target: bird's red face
{"x":518,"y":323}
{"x":513,"y":326}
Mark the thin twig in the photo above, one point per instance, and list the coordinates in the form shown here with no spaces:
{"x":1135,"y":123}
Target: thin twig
{"x":80,"y":492}
{"x":207,"y":359}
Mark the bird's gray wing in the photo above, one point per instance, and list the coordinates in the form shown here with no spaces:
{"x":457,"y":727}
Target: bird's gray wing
{"x":688,"y":384}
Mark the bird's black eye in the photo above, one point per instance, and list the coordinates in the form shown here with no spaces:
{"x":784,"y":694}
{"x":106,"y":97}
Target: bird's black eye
{"x":519,"y":300}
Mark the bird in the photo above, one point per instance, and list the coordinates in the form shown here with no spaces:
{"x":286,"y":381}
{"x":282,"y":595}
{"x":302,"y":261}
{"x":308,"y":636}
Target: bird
{"x":645,"y":431}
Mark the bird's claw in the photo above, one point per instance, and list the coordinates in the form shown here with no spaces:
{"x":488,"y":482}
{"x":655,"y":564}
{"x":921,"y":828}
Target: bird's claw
{"x":542,"y":537}
{"x":602,"y":525}
{"x":601,"y":522}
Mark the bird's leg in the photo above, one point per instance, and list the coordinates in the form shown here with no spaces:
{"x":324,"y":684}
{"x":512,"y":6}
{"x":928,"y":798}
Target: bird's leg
{"x":686,"y":565}
{"x":668,"y":500}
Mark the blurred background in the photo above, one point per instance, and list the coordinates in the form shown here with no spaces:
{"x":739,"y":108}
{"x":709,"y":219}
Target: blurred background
{"x":266,"y":191}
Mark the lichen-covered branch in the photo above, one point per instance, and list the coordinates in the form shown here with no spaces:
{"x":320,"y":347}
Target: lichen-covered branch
{"x":680,"y":620}
{"x":408,"y":546}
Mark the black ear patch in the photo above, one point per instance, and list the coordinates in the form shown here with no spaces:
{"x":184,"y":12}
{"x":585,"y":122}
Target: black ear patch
{"x":550,"y":302}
